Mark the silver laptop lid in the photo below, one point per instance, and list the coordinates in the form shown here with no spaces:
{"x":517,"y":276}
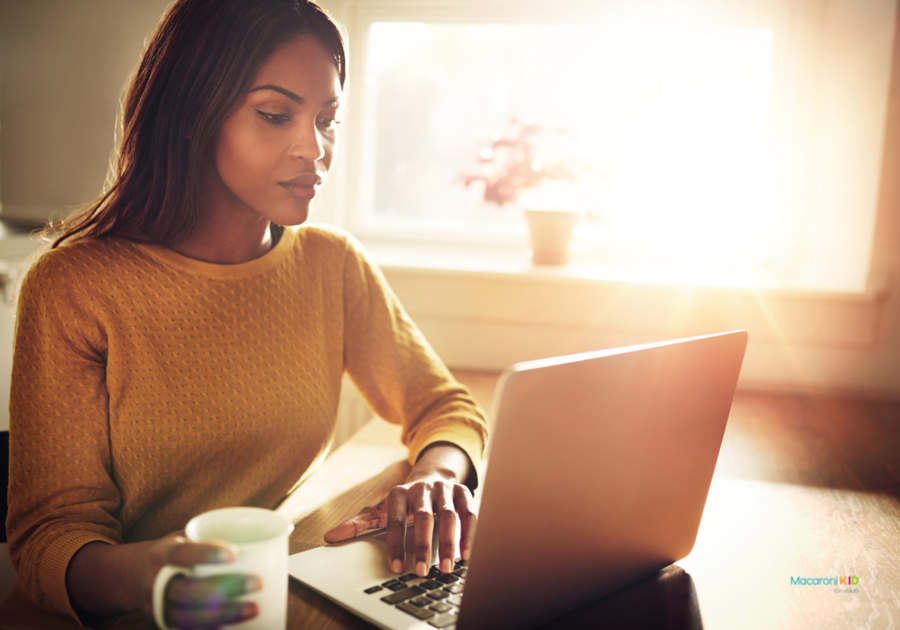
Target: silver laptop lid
{"x":598,"y":472}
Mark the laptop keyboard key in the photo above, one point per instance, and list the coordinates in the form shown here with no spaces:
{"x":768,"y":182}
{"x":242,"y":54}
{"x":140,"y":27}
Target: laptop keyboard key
{"x":443,"y":621}
{"x":430,"y":585}
{"x":454,"y":588}
{"x":441,"y":607}
{"x":399,"y":596}
{"x":409,"y":577}
{"x":456,"y":600}
{"x":460,"y":572}
{"x":442,"y":594}
{"x":421,"y":602}
{"x":399,"y":586}
{"x":447,"y":579}
{"x":418,"y":613}
{"x":389,"y":582}
{"x":374,"y":589}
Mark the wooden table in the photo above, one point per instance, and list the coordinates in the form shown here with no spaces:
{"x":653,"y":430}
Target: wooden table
{"x":805,"y":487}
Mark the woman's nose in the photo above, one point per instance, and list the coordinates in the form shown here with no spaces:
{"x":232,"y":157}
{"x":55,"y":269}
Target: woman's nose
{"x":308,"y":143}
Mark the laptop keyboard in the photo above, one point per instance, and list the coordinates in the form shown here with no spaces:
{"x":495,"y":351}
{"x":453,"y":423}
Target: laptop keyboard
{"x":434,"y":599}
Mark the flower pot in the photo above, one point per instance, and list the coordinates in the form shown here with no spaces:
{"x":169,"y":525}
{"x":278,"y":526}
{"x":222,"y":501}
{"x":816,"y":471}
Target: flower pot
{"x":551,"y":231}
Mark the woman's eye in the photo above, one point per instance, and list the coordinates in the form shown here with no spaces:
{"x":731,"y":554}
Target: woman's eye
{"x":327,"y":124}
{"x":273,"y":119}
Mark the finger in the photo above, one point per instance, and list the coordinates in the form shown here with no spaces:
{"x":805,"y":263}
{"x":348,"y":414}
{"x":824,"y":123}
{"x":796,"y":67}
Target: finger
{"x":184,"y":553}
{"x":442,"y":495}
{"x":468,"y":519}
{"x":423,"y":530}
{"x":396,"y":528}
{"x":211,"y":616}
{"x":371,"y":517}
{"x":187,"y":592}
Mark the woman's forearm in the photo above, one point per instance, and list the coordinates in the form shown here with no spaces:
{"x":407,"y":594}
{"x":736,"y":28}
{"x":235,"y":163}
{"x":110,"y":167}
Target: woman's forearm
{"x":101,"y":578}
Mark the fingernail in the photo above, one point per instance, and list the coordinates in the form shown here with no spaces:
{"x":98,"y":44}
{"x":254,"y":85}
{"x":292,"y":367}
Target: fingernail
{"x":397,"y":565}
{"x":252,"y":584}
{"x":227,"y":555}
{"x":248,"y":611}
{"x":219,"y":555}
{"x":446,"y":565}
{"x":420,"y":568}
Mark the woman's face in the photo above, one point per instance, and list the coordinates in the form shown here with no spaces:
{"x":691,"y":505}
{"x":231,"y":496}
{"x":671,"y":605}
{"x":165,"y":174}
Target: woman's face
{"x":275,"y":149}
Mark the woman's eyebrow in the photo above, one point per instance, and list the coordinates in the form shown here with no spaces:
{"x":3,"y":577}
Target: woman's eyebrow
{"x":268,"y":86}
{"x":333,"y":102}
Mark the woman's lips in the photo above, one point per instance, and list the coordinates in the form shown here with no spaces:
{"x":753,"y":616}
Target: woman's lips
{"x":303,"y":186}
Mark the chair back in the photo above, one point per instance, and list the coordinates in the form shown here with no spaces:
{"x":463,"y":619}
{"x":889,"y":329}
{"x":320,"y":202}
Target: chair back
{"x":4,"y":467}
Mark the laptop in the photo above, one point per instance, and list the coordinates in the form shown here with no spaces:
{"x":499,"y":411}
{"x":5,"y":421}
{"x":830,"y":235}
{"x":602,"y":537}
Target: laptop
{"x":597,"y":473}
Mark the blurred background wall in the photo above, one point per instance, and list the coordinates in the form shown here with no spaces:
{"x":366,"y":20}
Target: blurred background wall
{"x":63,"y":65}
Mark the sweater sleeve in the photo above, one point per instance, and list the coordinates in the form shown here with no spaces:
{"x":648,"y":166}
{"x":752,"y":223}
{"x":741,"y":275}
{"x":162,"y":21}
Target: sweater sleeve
{"x":61,"y":492}
{"x":398,"y":373}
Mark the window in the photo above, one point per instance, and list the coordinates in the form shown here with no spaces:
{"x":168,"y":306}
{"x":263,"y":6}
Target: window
{"x":737,"y":148}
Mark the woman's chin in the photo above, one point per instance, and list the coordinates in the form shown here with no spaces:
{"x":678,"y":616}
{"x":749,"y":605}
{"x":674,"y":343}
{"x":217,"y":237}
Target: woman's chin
{"x":290,"y":218}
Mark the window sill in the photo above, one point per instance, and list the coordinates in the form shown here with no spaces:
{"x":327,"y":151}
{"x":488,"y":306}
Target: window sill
{"x":512,"y":263}
{"x":475,"y":292}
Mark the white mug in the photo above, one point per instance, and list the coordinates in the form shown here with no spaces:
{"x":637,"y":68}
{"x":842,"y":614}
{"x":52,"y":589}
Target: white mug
{"x":262,"y":537}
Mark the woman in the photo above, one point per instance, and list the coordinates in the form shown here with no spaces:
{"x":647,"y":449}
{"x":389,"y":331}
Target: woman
{"x":179,"y":350}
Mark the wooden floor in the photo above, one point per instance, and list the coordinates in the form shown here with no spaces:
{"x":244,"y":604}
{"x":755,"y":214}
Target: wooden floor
{"x":824,"y":442}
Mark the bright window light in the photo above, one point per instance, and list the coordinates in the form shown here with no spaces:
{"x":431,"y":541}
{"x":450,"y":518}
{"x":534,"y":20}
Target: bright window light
{"x":672,"y":122}
{"x":699,"y":159}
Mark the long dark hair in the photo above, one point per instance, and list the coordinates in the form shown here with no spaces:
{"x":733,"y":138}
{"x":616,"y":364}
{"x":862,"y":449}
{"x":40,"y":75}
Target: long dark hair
{"x":198,"y":64}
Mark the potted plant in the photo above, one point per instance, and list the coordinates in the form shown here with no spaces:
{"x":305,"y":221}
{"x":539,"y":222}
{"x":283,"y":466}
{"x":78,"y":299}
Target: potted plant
{"x":515,"y":169}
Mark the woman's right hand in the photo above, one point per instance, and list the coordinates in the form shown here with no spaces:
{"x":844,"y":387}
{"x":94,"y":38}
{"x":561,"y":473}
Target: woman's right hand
{"x":197,"y":602}
{"x":105,"y":579}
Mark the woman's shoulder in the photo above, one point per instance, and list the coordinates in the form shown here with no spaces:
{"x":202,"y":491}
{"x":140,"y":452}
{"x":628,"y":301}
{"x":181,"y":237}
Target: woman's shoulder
{"x":84,"y":251}
{"x":328,"y":241}
{"x":325,"y":235}
{"x":85,"y":260}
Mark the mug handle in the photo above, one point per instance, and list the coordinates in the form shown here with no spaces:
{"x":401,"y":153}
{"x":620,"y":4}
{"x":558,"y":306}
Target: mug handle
{"x":159,"y":593}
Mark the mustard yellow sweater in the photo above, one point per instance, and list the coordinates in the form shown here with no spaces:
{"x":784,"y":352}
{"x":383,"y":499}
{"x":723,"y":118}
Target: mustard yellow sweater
{"x":148,"y":387}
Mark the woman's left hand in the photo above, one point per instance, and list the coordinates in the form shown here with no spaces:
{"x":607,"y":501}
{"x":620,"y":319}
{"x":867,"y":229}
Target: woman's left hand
{"x":432,"y":489}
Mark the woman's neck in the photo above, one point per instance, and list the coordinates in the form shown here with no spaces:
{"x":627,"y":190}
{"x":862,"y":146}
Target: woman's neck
{"x":228,"y":243}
